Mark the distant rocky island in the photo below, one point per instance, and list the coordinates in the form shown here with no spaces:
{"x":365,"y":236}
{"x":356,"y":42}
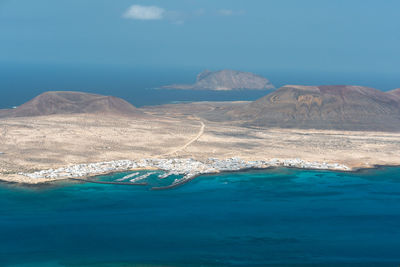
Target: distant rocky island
{"x":225,"y":80}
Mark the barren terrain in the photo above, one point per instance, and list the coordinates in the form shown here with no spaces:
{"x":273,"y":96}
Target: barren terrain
{"x":35,"y":143}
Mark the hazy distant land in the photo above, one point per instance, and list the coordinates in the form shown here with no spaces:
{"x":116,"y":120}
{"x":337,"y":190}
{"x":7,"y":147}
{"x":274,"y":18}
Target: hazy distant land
{"x":225,"y":80}
{"x":328,"y":127}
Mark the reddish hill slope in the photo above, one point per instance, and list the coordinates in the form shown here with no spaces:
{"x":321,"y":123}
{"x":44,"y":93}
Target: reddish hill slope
{"x":60,"y":102}
{"x":322,"y":107}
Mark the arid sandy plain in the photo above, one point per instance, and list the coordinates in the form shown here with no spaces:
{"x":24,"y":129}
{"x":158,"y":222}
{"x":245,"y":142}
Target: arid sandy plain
{"x":30,"y":144}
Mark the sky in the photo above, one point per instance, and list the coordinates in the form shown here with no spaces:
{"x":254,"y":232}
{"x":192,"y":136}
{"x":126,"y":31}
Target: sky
{"x":323,"y":35}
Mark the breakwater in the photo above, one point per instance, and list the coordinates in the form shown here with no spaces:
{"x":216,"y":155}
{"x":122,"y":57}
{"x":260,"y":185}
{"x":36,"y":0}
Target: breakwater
{"x":188,"y":167}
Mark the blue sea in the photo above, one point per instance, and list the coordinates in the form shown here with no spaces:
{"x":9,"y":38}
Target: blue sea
{"x":277,"y":217}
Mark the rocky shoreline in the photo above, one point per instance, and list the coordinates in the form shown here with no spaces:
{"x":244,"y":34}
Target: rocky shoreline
{"x":188,"y":168}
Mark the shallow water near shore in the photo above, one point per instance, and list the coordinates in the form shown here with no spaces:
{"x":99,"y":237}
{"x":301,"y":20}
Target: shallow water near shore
{"x":277,"y":216}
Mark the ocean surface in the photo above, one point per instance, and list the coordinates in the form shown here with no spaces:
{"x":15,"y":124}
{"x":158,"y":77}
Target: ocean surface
{"x":278,"y":216}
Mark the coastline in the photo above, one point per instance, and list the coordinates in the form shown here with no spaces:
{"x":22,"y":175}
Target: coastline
{"x":59,"y":141}
{"x":185,"y":169}
{"x":354,"y":170}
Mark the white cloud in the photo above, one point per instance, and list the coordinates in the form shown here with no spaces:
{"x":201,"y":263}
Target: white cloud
{"x":144,"y":12}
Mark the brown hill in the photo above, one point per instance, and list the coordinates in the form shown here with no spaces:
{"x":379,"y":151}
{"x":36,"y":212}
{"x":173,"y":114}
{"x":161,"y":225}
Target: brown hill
{"x":322,"y":107}
{"x":226,"y":80}
{"x":395,"y":93}
{"x":59,"y":102}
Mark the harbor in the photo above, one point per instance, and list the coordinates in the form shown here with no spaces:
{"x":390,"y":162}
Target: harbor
{"x":185,"y":169}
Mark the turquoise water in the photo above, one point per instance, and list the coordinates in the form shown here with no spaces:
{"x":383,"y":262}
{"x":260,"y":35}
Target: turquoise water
{"x":279,"y":216}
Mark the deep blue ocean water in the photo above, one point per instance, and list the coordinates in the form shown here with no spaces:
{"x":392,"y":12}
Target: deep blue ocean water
{"x":278,"y":216}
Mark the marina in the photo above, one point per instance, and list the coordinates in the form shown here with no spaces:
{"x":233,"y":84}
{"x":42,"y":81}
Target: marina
{"x":187,"y":168}
{"x":127,"y":177}
{"x":141,"y":177}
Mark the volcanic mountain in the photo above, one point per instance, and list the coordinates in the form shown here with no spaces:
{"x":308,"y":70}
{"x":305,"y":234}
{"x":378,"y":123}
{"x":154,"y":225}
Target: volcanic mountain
{"x":395,"y":93}
{"x":322,"y":107}
{"x":226,"y":80}
{"x":64,"y":102}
